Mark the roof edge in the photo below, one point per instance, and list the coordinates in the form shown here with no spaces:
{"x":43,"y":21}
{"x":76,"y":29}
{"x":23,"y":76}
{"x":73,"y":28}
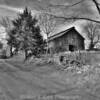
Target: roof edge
{"x":62,"y":33}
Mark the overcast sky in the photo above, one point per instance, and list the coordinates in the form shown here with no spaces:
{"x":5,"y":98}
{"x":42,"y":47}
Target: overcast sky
{"x":11,"y":7}
{"x":86,"y":8}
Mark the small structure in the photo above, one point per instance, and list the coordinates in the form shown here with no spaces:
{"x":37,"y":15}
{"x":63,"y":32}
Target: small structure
{"x":68,"y":40}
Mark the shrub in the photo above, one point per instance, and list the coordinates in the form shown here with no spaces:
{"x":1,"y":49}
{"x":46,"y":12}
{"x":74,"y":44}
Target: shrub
{"x":77,"y":59}
{"x":3,"y":54}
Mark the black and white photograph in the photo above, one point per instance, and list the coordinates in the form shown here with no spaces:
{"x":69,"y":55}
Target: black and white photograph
{"x":49,"y":49}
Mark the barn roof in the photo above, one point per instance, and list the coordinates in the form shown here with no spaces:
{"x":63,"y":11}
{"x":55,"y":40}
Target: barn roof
{"x":56,"y":35}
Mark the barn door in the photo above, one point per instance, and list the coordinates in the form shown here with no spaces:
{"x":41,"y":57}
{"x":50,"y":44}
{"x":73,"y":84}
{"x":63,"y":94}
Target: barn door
{"x":71,"y":48}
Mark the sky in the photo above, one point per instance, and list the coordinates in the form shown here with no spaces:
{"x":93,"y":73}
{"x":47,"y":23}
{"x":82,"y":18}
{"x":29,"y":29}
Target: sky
{"x":86,"y":8}
{"x":11,"y":7}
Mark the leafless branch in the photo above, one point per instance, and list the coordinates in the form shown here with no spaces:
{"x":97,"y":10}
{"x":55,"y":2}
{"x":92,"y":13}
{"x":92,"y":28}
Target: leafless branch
{"x":6,"y":22}
{"x":47,"y":23}
{"x":92,"y":30}
{"x":97,"y":5}
{"x":78,"y":18}
{"x":74,"y":18}
{"x":67,"y":6}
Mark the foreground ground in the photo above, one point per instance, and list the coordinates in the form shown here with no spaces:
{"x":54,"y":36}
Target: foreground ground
{"x":23,"y":81}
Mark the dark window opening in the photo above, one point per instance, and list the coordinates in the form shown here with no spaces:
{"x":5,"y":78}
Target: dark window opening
{"x":71,"y":48}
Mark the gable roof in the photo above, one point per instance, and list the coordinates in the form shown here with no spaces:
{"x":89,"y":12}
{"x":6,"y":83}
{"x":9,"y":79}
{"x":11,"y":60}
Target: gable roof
{"x":56,"y":35}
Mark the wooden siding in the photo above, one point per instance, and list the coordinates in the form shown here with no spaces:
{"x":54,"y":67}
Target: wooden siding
{"x":70,"y":38}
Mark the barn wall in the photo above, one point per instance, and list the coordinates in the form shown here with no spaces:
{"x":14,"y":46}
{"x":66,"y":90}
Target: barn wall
{"x":71,"y":37}
{"x":74,"y":38}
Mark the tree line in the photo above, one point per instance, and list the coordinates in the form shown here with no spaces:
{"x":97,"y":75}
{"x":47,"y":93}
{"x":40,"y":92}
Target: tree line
{"x":24,"y":34}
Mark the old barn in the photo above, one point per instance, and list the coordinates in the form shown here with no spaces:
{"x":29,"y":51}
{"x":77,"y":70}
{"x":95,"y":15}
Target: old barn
{"x":67,"y":40}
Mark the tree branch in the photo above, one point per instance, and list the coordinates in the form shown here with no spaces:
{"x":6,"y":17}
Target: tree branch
{"x":80,"y":18}
{"x":74,"y":18}
{"x":67,"y":6}
{"x":97,"y":5}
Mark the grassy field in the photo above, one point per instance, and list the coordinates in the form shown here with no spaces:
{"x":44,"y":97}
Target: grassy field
{"x":30,"y":81}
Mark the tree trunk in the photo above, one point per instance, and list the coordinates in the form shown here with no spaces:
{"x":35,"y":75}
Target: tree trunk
{"x":91,"y":47}
{"x":16,"y":51}
{"x":11,"y":53}
{"x":47,"y":48}
{"x":26,"y":54}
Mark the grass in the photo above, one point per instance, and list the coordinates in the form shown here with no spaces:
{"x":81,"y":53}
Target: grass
{"x":81,"y":58}
{"x":45,"y":81}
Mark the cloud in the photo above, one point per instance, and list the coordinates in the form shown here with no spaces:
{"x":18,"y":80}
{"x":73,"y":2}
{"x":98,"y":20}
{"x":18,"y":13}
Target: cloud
{"x":11,"y":8}
{"x":12,"y":12}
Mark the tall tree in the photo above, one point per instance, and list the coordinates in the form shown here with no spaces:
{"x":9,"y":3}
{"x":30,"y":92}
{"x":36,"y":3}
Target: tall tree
{"x":27,"y":32}
{"x":93,"y":34}
{"x":47,"y":23}
{"x":7,"y":24}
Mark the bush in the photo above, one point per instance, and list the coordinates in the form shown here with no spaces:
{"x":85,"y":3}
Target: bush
{"x":3,"y":54}
{"x":75,"y":59}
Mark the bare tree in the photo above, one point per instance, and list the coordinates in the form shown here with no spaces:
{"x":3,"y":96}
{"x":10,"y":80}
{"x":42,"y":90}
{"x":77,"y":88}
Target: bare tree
{"x":92,"y":30}
{"x":47,"y":23}
{"x":7,"y":24}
